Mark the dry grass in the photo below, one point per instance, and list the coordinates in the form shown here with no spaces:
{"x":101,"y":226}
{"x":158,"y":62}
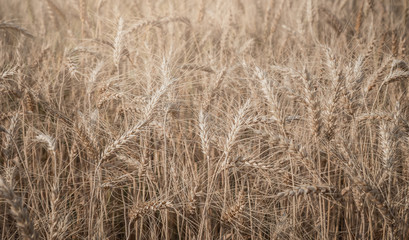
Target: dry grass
{"x":204,"y":119}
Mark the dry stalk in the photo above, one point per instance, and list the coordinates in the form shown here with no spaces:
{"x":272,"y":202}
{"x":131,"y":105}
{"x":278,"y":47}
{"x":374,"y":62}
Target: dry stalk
{"x":202,"y":11}
{"x":146,"y":208}
{"x":232,"y":213}
{"x":395,"y":44}
{"x":371,"y":4}
{"x":359,"y":18}
{"x":165,"y":20}
{"x":332,"y":20}
{"x":227,"y":31}
{"x":198,"y":68}
{"x":83,"y":14}
{"x":376,"y":76}
{"x":310,"y":15}
{"x":28,"y":102}
{"x":387,"y":147}
{"x":211,"y":93}
{"x":118,"y":43}
{"x":251,"y":163}
{"x":8,"y":26}
{"x":402,"y":47}
{"x":48,"y":140}
{"x":19,"y":213}
{"x":237,"y":125}
{"x":313,"y":105}
{"x":305,"y":190}
{"x":275,"y":21}
{"x":397,"y":75}
{"x":337,"y":90}
{"x":52,"y":10}
{"x":86,"y":142}
{"x":148,"y":113}
{"x":193,"y":200}
{"x":11,"y":131}
{"x":204,"y":133}
{"x":272,"y":97}
{"x":360,"y":188}
{"x":267,"y":19}
{"x":378,"y":116}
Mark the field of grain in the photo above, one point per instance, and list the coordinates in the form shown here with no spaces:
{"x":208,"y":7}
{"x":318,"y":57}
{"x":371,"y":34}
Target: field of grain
{"x":204,"y":119}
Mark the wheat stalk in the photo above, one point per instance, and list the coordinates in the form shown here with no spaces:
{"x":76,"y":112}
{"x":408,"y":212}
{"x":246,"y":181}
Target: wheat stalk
{"x":118,"y":43}
{"x":332,"y":20}
{"x":19,"y":213}
{"x":232,"y":214}
{"x":275,"y":21}
{"x":313,"y":105}
{"x":338,"y":83}
{"x":305,"y":190}
{"x":8,"y":26}
{"x":83,"y":14}
{"x":359,"y":18}
{"x":145,"y":208}
{"x":237,"y":125}
{"x":148,"y":113}
{"x":271,"y":96}
{"x":52,"y":8}
{"x":161,"y":21}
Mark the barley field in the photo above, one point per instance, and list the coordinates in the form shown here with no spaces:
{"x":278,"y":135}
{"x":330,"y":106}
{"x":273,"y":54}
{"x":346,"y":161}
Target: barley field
{"x":204,"y":119}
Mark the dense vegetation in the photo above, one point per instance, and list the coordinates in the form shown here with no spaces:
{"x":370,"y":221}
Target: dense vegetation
{"x":201,"y":119}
